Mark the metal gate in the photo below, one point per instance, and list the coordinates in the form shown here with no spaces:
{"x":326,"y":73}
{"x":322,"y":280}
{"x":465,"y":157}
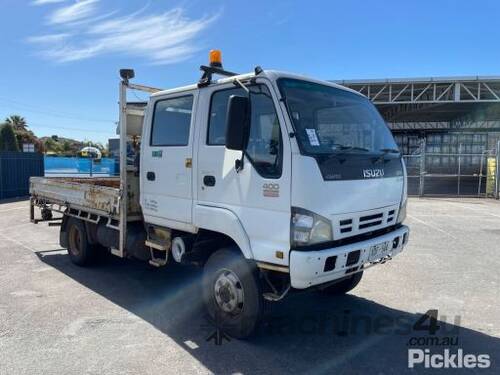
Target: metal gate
{"x":453,"y":174}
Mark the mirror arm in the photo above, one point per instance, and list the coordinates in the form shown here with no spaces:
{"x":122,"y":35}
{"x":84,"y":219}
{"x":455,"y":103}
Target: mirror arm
{"x":237,"y":82}
{"x":239,"y":163}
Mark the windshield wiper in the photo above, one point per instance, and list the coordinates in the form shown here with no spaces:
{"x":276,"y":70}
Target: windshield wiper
{"x":340,"y":151}
{"x":348,"y":148}
{"x":390,"y":151}
{"x":384,"y":152}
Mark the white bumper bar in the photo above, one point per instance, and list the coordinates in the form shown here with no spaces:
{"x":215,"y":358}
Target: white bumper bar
{"x":308,"y":268}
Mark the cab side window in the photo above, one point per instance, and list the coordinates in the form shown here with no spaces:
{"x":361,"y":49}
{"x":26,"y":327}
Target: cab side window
{"x":171,"y":121}
{"x":265,"y":146}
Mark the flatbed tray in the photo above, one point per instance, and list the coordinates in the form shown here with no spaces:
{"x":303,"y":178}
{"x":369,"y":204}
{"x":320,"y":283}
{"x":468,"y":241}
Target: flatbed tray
{"x":96,"y":195}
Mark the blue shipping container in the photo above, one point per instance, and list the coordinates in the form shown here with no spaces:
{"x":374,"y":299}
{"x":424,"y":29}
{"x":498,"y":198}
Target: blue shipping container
{"x":15,"y":170}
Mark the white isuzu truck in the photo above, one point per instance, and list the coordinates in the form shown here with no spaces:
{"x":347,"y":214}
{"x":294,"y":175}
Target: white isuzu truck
{"x":271,"y":181}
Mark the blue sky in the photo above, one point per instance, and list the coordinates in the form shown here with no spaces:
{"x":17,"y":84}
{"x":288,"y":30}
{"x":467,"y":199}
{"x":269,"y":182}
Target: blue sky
{"x":59,"y":58}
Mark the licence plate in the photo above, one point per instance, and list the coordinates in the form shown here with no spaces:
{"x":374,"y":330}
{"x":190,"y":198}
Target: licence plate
{"x":379,"y":251}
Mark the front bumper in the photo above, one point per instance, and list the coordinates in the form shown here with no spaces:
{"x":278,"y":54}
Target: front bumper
{"x":308,"y":268}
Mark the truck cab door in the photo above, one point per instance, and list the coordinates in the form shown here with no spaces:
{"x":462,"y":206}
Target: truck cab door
{"x":259,"y":194}
{"x":166,"y":161}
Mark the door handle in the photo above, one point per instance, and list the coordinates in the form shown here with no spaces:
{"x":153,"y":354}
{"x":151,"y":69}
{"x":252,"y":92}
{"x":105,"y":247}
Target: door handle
{"x":151,"y":176}
{"x":209,"y":180}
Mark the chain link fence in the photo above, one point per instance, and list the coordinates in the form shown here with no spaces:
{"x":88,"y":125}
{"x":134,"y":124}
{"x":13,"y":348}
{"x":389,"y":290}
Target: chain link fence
{"x":453,"y":174}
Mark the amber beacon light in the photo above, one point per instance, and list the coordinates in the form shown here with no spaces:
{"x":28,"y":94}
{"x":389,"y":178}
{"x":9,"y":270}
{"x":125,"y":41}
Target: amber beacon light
{"x":215,"y":57}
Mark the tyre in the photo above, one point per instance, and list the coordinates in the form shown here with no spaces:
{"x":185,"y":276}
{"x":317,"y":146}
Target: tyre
{"x":344,"y":286}
{"x":232,"y":293}
{"x":80,"y":251}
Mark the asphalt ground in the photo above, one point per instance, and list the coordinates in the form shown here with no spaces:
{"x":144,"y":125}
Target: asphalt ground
{"x":124,"y":317}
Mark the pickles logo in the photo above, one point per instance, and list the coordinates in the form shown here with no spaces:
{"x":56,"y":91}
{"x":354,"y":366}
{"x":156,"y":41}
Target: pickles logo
{"x":444,"y":355}
{"x":447,"y":359}
{"x":271,"y":190}
{"x":373,"y":173}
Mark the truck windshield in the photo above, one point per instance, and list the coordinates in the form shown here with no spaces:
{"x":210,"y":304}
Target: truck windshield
{"x":330,"y":120}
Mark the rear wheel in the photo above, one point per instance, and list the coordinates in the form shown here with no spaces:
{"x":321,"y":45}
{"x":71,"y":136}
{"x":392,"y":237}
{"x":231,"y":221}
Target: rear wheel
{"x":344,"y":286}
{"x":79,"y":250}
{"x":232,"y":293}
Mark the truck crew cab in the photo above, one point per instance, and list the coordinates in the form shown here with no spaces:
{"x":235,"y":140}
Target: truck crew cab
{"x":270,"y":181}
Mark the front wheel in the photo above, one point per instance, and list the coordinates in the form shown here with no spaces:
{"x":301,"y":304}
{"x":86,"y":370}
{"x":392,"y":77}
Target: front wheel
{"x":344,"y":286}
{"x":232,"y":293}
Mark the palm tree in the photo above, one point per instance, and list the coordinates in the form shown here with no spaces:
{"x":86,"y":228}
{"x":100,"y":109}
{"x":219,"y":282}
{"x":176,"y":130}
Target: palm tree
{"x":17,"y":122}
{"x":8,"y":140}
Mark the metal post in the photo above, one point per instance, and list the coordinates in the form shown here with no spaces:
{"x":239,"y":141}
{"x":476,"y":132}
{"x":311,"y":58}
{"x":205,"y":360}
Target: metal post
{"x":457,"y":92}
{"x":497,"y":172}
{"x":459,"y":168}
{"x":481,"y":173}
{"x":422,"y":168}
{"x":32,"y":210}
{"x":123,"y":169}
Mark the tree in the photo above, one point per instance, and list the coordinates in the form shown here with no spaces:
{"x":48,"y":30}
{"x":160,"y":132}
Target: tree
{"x":17,"y":122}
{"x":8,"y":141}
{"x":105,"y":150}
{"x":28,"y":137}
{"x":50,"y":144}
{"x":22,"y":132}
{"x":66,"y":146}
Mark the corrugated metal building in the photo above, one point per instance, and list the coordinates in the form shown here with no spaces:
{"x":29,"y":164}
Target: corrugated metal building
{"x":453,"y":121}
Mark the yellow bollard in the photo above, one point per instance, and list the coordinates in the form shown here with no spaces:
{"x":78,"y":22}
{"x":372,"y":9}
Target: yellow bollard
{"x":490,"y":176}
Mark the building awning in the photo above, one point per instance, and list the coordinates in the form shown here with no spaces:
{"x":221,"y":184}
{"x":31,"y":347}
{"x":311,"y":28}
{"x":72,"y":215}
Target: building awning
{"x":470,"y":101}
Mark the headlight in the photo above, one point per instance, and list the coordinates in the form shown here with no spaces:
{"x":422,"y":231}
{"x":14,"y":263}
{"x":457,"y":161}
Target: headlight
{"x":308,"y":228}
{"x":402,"y":212}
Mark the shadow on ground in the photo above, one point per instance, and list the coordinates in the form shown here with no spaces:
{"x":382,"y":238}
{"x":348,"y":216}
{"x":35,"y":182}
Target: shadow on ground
{"x":306,"y":332}
{"x":14,"y":200}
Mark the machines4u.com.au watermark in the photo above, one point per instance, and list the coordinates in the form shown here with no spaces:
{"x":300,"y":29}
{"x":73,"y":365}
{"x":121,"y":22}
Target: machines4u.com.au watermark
{"x":436,"y":352}
{"x":431,"y":341}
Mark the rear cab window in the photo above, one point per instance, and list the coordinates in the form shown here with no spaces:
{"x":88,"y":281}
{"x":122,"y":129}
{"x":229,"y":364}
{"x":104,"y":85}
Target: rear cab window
{"x":172,"y":121}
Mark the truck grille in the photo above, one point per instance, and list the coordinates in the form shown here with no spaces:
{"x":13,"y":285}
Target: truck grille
{"x":348,"y":225}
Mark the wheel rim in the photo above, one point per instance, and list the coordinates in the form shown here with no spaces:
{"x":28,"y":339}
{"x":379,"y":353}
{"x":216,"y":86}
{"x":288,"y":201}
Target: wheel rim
{"x":75,"y":241}
{"x":229,"y":292}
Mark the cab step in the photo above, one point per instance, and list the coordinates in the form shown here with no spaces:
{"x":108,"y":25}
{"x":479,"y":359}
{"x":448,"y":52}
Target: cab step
{"x":157,"y":247}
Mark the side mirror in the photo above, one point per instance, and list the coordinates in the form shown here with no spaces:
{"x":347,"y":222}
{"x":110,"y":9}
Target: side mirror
{"x":237,"y":122}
